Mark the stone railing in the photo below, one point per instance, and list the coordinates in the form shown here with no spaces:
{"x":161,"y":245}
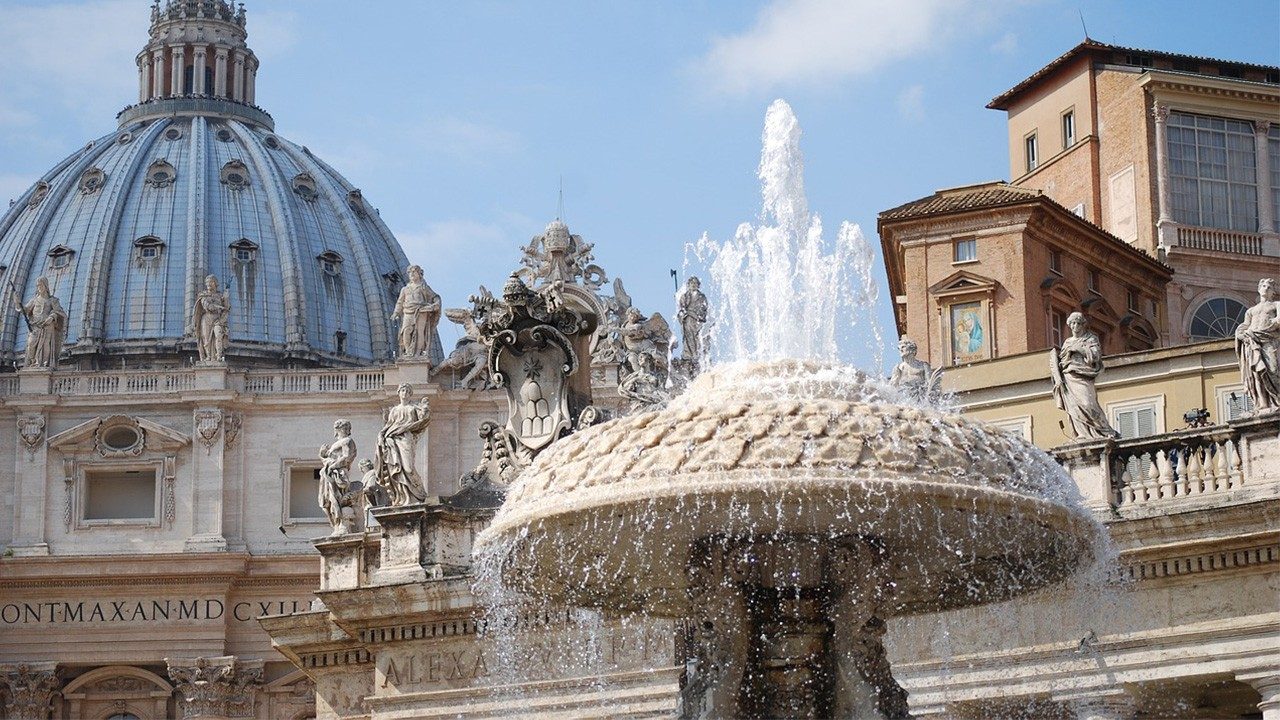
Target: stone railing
{"x":1224,"y":461}
{"x":1227,"y":241}
{"x":1176,"y":465}
{"x":313,"y":381}
{"x":125,"y":382}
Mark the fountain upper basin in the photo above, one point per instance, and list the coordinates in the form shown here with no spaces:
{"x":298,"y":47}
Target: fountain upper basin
{"x":965,"y":514}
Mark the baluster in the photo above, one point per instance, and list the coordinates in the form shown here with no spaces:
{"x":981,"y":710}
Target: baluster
{"x":1166,"y":477}
{"x":1151,"y":484}
{"x":1130,"y":485}
{"x":1221,"y":481}
{"x":1237,"y":465}
{"x":1191,"y":480}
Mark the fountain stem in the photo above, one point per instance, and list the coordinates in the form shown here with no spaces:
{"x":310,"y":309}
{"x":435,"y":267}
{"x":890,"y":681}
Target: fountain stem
{"x":787,"y":626}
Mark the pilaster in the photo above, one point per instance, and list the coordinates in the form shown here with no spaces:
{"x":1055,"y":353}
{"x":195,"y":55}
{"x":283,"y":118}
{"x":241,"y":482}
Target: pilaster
{"x":157,"y":73}
{"x":208,"y":465}
{"x":30,"y":688}
{"x":237,"y":77}
{"x":179,"y":71}
{"x":220,"y":72}
{"x":30,"y":469}
{"x":197,"y":71}
{"x":1165,"y":230}
{"x":1266,"y":199}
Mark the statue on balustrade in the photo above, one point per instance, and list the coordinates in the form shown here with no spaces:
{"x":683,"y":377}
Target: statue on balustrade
{"x":691,"y":313}
{"x":914,"y":377}
{"x":209,"y":322}
{"x":339,"y":494}
{"x":1258,"y":347}
{"x":418,"y":312}
{"x":1075,"y":368}
{"x":46,"y":326}
{"x":396,"y":455}
{"x":643,"y":371}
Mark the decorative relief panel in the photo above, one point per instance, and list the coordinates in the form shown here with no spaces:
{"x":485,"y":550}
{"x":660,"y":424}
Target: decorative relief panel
{"x":208,"y":423}
{"x":31,"y":432}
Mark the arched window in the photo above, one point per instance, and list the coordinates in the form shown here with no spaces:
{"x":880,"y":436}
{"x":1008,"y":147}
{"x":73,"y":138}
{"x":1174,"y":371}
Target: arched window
{"x":1216,"y":318}
{"x":123,"y":716}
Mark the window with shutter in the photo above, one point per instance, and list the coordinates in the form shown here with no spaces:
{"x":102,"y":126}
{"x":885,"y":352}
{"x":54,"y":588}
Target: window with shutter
{"x":1135,"y":422}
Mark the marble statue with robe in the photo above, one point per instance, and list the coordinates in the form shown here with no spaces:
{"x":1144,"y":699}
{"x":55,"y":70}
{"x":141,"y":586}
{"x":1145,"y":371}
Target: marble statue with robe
{"x":209,"y":322}
{"x":396,"y":455}
{"x":1258,"y":348}
{"x":914,"y":377}
{"x":691,"y":313}
{"x":418,"y":312}
{"x":46,"y":326}
{"x":1075,"y":368}
{"x":337,"y":496}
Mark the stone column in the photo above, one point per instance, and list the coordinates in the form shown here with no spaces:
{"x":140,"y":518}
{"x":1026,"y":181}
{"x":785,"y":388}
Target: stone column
{"x":30,"y":688}
{"x":31,"y":470}
{"x":197,"y":71}
{"x":144,"y":78}
{"x":220,"y":72}
{"x":157,"y":73}
{"x":250,"y":82}
{"x":179,"y":68}
{"x":1268,"y":685}
{"x":1266,"y":203}
{"x":237,"y":77}
{"x":217,"y":688}
{"x":1165,"y":231}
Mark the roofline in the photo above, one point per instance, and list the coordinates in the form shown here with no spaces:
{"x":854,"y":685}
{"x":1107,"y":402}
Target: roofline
{"x":1090,"y":46}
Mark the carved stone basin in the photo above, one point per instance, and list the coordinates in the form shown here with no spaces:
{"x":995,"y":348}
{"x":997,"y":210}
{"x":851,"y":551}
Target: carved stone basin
{"x":784,"y":510}
{"x":965,"y":514}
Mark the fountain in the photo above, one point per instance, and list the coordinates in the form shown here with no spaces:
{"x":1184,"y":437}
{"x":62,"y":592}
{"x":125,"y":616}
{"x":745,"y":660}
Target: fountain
{"x":786,"y":505}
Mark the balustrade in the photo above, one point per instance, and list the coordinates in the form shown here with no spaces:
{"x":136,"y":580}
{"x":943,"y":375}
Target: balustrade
{"x":1228,"y":241}
{"x":1176,"y":465}
{"x":323,"y":381}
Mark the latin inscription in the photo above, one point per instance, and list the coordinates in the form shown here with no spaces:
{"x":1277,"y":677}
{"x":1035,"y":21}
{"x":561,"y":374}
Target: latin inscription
{"x":142,"y":611}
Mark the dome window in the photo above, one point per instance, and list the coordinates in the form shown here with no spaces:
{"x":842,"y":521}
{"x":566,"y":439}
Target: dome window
{"x":234,"y":175}
{"x":224,"y":135}
{"x":60,"y":256}
{"x":92,"y":181}
{"x":147,"y":248}
{"x":244,"y":251}
{"x":173,"y":133}
{"x":124,"y":138}
{"x":330,"y":262}
{"x":356,"y":202}
{"x":161,"y":174}
{"x":340,"y":342}
{"x":37,"y":197}
{"x":272,"y":142}
{"x":305,"y":186}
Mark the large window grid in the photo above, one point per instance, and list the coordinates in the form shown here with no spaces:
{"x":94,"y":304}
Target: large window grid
{"x":1213,"y":172}
{"x":1273,"y":157}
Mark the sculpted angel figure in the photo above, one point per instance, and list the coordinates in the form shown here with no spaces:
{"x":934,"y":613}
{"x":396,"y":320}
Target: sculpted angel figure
{"x":396,"y":452}
{"x":209,"y":321}
{"x":1258,"y":348}
{"x":469,"y":356}
{"x":914,"y":377}
{"x":46,"y":326}
{"x":1075,"y":367}
{"x":418,"y":311}
{"x":336,"y":498}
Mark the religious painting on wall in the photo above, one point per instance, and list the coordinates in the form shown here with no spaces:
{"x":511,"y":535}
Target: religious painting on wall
{"x":968,"y":333}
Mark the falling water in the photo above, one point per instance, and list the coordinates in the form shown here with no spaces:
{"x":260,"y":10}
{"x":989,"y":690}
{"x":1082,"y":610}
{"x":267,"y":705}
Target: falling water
{"x":779,"y":289}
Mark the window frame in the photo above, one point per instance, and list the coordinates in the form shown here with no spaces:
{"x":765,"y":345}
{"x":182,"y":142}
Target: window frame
{"x":287,"y":467}
{"x":1197,"y":197}
{"x":1068,"y":122}
{"x":85,"y":469}
{"x":968,"y":242}
{"x":1031,"y":150}
{"x":1093,"y":280}
{"x":1055,"y":261}
{"x":1223,"y":393}
{"x":1155,"y":402}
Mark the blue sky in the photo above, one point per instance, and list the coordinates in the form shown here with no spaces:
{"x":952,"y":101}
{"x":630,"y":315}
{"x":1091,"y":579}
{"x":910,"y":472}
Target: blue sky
{"x":458,"y":120}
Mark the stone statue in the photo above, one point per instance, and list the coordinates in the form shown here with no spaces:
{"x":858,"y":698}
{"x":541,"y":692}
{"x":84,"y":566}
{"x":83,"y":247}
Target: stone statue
{"x":1258,"y":347}
{"x":914,"y":377}
{"x":396,"y":452}
{"x":375,"y":495}
{"x":209,"y":322}
{"x":469,"y":356}
{"x":642,"y":375}
{"x":691,"y":312}
{"x":418,"y":311}
{"x":46,"y":326}
{"x":1075,"y":368}
{"x":337,"y":494}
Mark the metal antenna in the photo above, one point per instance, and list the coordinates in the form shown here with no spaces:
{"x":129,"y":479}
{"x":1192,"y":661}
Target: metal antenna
{"x":560,"y":206}
{"x":1082,"y":25}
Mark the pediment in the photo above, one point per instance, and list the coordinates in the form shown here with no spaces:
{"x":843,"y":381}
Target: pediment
{"x":963,"y":282}
{"x":93,"y":436}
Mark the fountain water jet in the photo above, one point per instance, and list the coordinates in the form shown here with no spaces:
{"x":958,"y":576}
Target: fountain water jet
{"x":800,"y":505}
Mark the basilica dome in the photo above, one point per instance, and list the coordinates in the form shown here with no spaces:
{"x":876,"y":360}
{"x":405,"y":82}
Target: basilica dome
{"x":195,"y":182}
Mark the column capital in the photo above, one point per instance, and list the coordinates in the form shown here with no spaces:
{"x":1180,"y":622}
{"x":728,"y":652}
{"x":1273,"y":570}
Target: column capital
{"x":31,"y":687}
{"x":217,"y":687}
{"x":1261,"y":127}
{"x":1160,"y":112}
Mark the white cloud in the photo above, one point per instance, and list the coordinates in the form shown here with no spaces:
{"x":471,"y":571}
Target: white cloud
{"x":71,"y":51}
{"x":911,"y":103}
{"x":1006,"y":45}
{"x":821,"y":42}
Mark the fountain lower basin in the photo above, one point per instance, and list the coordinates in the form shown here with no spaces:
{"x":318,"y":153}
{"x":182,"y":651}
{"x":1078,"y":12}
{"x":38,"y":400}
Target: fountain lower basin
{"x":776,"y":506}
